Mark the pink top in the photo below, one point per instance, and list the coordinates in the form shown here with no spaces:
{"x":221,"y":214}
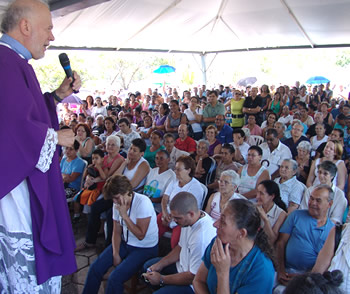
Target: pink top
{"x":256,"y":131}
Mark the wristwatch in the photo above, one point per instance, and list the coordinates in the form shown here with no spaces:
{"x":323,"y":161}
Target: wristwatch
{"x":161,"y":281}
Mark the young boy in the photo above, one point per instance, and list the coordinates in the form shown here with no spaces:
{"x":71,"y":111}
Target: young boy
{"x":94,"y":181}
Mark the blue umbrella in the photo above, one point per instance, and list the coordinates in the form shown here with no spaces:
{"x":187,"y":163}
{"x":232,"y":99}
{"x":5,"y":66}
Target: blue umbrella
{"x":317,"y":80}
{"x":164,"y":69}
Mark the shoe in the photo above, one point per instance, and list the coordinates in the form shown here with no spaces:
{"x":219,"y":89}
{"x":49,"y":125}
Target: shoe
{"x":83,"y":246}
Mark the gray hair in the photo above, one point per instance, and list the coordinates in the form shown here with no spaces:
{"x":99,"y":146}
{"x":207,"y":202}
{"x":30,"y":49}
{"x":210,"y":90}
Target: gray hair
{"x":326,"y":187}
{"x":293,"y":162}
{"x":14,"y":13}
{"x":297,"y":122}
{"x":305,"y":145}
{"x":280,"y":123}
{"x":205,"y":142}
{"x":235,"y":179}
{"x":115,"y":139}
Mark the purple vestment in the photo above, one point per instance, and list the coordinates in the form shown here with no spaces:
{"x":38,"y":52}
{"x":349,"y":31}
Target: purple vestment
{"x":25,"y":116}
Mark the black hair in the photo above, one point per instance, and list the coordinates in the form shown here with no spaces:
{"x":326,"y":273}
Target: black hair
{"x":175,"y":101}
{"x":82,"y":115}
{"x":341,"y":116}
{"x":138,"y":109}
{"x":229,"y":147}
{"x":76,"y":145}
{"x":257,"y":149}
{"x":111,"y":120}
{"x":239,"y":131}
{"x":329,"y":166}
{"x":98,"y":152}
{"x":166,"y":108}
{"x":340,"y":131}
{"x":272,"y":132}
{"x":272,"y":188}
{"x":246,"y":216}
{"x":213,"y":92}
{"x":139,"y":143}
{"x":184,"y":104}
{"x":316,"y":283}
{"x":124,"y":120}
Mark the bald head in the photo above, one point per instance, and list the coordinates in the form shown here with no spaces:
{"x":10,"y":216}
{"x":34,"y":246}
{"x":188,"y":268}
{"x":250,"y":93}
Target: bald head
{"x":29,"y":22}
{"x":182,"y":131}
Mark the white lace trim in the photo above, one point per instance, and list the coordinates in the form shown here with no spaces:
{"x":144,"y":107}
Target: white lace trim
{"x":47,"y":151}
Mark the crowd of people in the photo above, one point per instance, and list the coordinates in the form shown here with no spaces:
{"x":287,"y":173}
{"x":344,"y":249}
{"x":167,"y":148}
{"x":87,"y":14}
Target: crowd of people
{"x":267,"y":168}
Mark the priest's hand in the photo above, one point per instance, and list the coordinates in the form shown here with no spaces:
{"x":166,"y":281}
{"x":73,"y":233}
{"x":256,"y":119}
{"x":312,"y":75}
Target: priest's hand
{"x":65,"y":89}
{"x":65,"y":138}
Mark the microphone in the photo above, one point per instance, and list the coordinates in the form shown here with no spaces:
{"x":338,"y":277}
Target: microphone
{"x":64,"y":60}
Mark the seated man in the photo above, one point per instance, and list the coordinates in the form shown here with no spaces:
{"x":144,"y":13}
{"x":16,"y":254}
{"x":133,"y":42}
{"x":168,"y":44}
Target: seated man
{"x":292,"y":190}
{"x":174,"y":153}
{"x":225,"y":131}
{"x":326,"y":172}
{"x":175,"y":272}
{"x":297,"y":137}
{"x":274,"y":151}
{"x":303,"y":234}
{"x":184,"y":142}
{"x":72,"y":168}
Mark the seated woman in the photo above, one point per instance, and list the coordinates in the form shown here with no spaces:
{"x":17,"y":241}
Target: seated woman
{"x":304,"y":161}
{"x":72,"y":168}
{"x":134,"y":241}
{"x":252,"y":173}
{"x":146,"y":130}
{"x":87,"y":145}
{"x":228,"y":183}
{"x":224,"y":161}
{"x":155,"y":146}
{"x":319,"y":138}
{"x":184,"y":182}
{"x":271,"y":208}
{"x":332,"y":152}
{"x":238,"y":260}
{"x":214,"y":144}
{"x":135,"y":167}
{"x":269,"y":123}
{"x":174,"y":119}
{"x":203,"y":162}
{"x":109,"y":129}
{"x":158,"y":179}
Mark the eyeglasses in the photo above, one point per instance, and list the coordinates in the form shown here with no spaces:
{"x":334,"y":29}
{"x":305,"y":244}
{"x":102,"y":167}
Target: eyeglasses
{"x":237,"y":93}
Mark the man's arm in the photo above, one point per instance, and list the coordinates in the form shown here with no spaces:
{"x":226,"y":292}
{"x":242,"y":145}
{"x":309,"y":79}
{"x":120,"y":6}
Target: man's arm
{"x":281,"y":247}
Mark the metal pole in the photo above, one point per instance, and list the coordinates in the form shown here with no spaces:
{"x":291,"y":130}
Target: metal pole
{"x":204,"y":69}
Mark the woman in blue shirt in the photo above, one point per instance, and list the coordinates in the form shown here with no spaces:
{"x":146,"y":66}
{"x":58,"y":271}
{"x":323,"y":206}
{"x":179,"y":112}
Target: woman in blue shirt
{"x":238,"y":260}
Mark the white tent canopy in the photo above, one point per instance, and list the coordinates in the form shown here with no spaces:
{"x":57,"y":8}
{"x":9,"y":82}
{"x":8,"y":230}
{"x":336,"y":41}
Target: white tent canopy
{"x":199,"y":26}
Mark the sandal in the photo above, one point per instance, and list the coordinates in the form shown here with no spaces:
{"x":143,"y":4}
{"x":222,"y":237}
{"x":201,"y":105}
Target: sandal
{"x":83,"y":246}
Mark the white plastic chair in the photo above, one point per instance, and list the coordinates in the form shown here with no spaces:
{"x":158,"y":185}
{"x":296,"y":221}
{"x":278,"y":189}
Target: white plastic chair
{"x":257,"y":139}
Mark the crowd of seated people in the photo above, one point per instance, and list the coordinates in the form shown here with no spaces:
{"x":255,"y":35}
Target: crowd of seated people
{"x":252,"y":185}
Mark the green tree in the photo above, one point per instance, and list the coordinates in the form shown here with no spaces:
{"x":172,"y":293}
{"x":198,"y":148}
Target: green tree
{"x":343,"y":58}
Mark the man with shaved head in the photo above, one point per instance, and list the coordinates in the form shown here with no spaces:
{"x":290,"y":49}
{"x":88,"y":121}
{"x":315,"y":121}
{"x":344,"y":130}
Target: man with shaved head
{"x":37,"y":242}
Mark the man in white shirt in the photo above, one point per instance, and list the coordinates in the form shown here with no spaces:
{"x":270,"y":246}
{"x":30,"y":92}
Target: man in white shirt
{"x":286,"y":118}
{"x":274,"y":152}
{"x":326,"y":172}
{"x":196,"y":233}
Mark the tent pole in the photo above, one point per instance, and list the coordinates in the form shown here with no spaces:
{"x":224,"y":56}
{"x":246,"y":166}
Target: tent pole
{"x":204,"y":69}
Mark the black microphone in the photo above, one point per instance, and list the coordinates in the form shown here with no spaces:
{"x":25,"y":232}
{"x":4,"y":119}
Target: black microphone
{"x":64,"y":60}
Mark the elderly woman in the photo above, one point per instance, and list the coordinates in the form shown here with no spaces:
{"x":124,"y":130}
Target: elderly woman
{"x":252,"y":173}
{"x":134,"y":238}
{"x":174,"y":119}
{"x":304,"y":160}
{"x":238,"y":260}
{"x":184,"y":182}
{"x":228,"y":184}
{"x":214,"y":144}
{"x":271,"y":207}
{"x":203,"y":162}
{"x":87,"y":145}
{"x":332,"y":152}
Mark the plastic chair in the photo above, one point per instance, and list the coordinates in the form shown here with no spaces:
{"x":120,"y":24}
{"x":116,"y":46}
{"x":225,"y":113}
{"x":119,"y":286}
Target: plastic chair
{"x":257,"y":139}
